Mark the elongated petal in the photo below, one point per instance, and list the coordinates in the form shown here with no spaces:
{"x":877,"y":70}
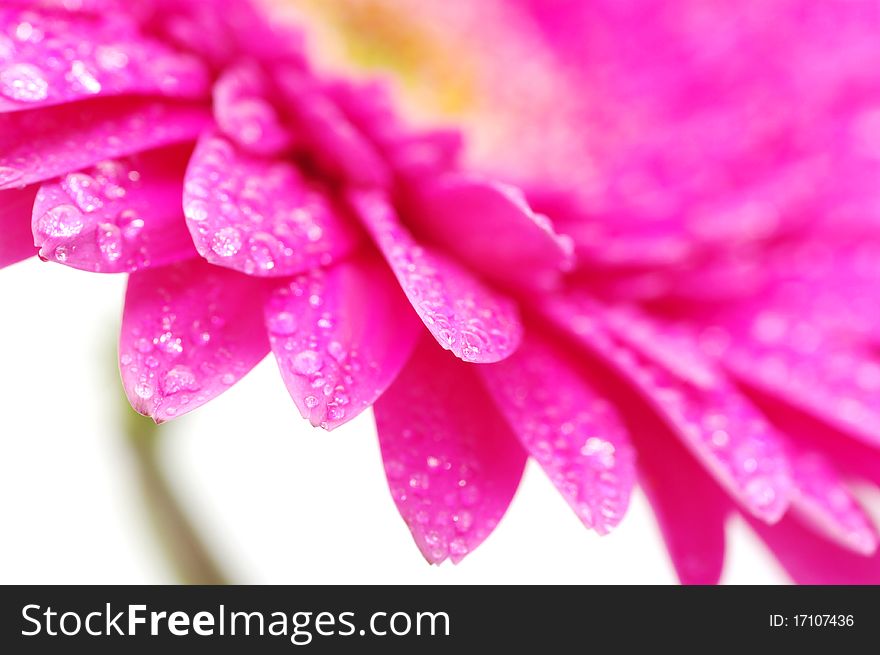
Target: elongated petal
{"x":491,"y":227}
{"x":121,"y":215}
{"x":341,"y":336}
{"x":811,"y":559}
{"x":16,"y":242}
{"x":568,"y":426}
{"x":474,"y":322}
{"x":452,"y":462}
{"x":691,"y":509}
{"x":719,"y":426}
{"x":60,"y":57}
{"x":189,"y":331}
{"x":824,"y":503}
{"x":259,"y":216}
{"x":45,"y":143}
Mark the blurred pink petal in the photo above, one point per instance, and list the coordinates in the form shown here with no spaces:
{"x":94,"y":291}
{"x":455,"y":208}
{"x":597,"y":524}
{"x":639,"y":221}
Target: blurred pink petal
{"x":60,"y":57}
{"x":340,"y":335}
{"x":45,"y":143}
{"x":335,"y":142}
{"x":452,"y":462}
{"x":811,"y":559}
{"x":118,"y":216}
{"x":690,"y":507}
{"x":16,"y":242}
{"x":718,"y":425}
{"x":568,"y":426}
{"x":822,"y":501}
{"x":243,"y":113}
{"x":189,"y":332}
{"x":491,"y":227}
{"x":464,"y":315}
{"x":260,"y":216}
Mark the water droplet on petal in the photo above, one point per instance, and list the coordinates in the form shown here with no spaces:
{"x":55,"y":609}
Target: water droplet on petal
{"x":23,"y":82}
{"x":226,"y":242}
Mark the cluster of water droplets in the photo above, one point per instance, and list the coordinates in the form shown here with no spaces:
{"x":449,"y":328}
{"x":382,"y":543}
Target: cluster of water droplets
{"x":54,"y":58}
{"x":791,"y":358}
{"x":571,"y":430}
{"x":464,"y":316}
{"x":730,"y":437}
{"x":91,"y":212}
{"x":259,"y":216}
{"x":318,"y":363}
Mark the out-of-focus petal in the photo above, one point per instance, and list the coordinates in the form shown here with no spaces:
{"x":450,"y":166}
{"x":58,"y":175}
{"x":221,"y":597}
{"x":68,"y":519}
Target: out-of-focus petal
{"x":474,"y":322}
{"x":811,"y":559}
{"x":57,"y":58}
{"x":331,"y":138}
{"x":490,"y":226}
{"x":16,"y":242}
{"x":718,"y":425}
{"x":118,"y":216}
{"x":341,"y":336}
{"x":245,"y":115}
{"x":259,"y":216}
{"x":568,"y":426}
{"x":824,"y":503}
{"x":690,"y":507}
{"x":45,"y":143}
{"x":452,"y":462}
{"x":189,"y":331}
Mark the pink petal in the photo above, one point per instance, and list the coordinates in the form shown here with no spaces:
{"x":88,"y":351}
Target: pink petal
{"x":491,"y":227}
{"x":690,"y":507}
{"x":341,"y":336}
{"x":465,"y":316}
{"x":38,"y":145}
{"x":452,"y":462}
{"x":568,"y":426}
{"x":16,"y":242}
{"x":331,"y":138}
{"x":719,"y":426}
{"x":59,"y":58}
{"x":838,"y":383}
{"x":810,"y":559}
{"x":245,"y":115}
{"x":823,"y":502}
{"x":189,"y":331}
{"x":120,"y":215}
{"x":259,"y":216}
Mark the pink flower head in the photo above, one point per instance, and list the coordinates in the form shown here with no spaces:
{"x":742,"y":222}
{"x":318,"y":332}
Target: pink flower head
{"x":259,"y":206}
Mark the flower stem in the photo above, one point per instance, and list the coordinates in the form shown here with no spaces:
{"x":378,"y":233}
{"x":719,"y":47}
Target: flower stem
{"x":186,"y":552}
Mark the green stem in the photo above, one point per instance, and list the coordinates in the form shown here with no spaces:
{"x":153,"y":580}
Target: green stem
{"x":184,"y":549}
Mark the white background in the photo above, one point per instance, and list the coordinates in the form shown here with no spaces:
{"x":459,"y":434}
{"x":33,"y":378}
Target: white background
{"x":278,"y":501}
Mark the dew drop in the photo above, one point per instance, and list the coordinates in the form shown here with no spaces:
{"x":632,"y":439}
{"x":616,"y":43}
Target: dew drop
{"x":61,"y":221}
{"x":110,"y":242}
{"x":307,"y":362}
{"x":226,"y":242}
{"x":23,"y":82}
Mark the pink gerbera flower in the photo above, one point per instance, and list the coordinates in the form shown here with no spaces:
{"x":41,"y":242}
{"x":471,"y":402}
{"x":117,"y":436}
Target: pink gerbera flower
{"x":260,"y":206}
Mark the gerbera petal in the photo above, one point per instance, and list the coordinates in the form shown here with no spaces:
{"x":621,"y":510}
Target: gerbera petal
{"x":259,"y":216}
{"x":811,"y":559}
{"x":120,"y":215}
{"x":189,"y":331}
{"x":333,"y":140}
{"x":60,"y":57}
{"x":45,"y":143}
{"x":568,"y":426}
{"x":243,"y":113}
{"x":452,"y":462}
{"x":824,"y":503}
{"x":16,"y":242}
{"x":341,"y":336}
{"x":490,"y":226}
{"x":465,"y":316}
{"x":691,"y":509}
{"x":718,"y":425}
